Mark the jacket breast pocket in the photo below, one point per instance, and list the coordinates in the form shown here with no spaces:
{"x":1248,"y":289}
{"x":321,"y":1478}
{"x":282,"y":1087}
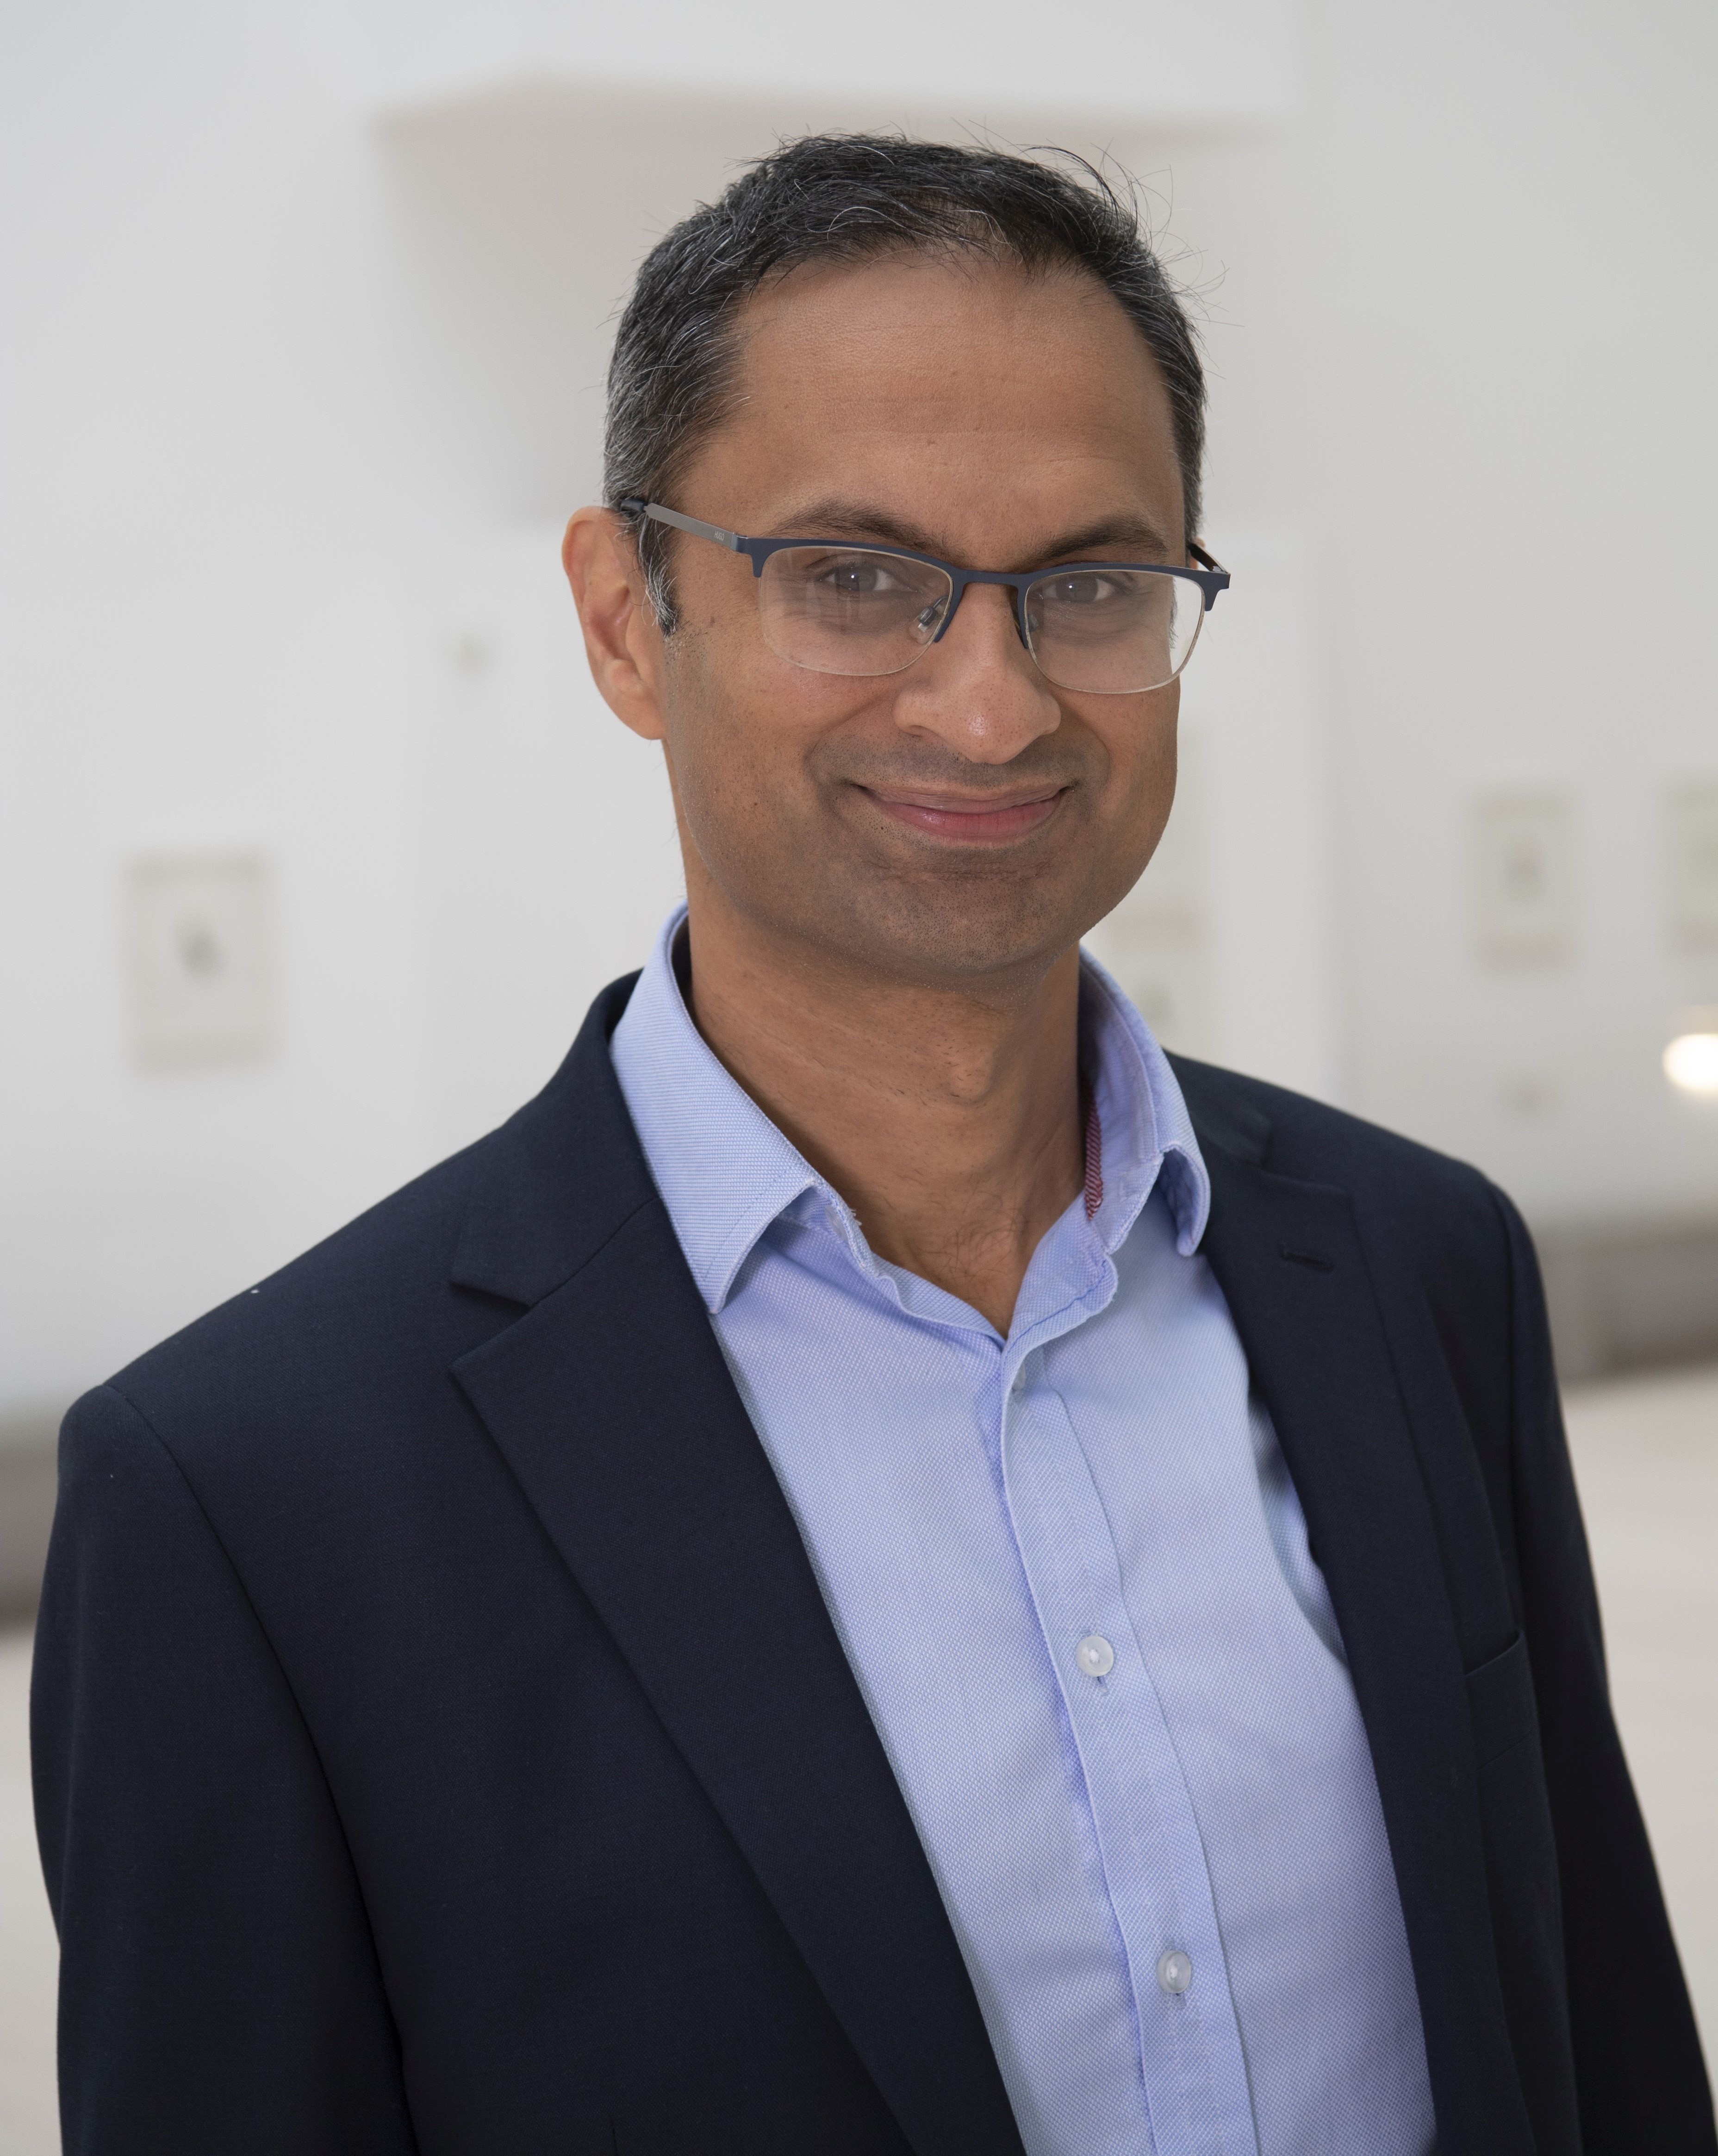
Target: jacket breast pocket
{"x":1500,"y":1703}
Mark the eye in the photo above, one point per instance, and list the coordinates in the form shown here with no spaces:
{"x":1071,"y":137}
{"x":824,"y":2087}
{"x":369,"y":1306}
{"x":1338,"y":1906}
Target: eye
{"x":1089,"y":588}
{"x":865,"y":576}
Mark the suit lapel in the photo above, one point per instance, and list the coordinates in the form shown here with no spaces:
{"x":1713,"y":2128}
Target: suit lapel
{"x":1289,"y":1259}
{"x":612,"y":1402}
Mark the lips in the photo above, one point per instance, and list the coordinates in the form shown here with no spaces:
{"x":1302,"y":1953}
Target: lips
{"x":969,"y":823}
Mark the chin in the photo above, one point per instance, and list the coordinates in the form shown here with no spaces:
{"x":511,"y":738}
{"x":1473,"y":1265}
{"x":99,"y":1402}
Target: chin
{"x":970,"y":933}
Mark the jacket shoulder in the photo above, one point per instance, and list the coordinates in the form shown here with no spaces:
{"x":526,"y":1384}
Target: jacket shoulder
{"x":436,"y":1267}
{"x":1291,"y":1134}
{"x":384,"y":1273}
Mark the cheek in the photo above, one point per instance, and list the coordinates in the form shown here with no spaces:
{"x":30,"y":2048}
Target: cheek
{"x":1141,"y":792}
{"x":1157,"y":762}
{"x":1159,"y":745}
{"x":738,"y":740}
{"x":1138,"y":744}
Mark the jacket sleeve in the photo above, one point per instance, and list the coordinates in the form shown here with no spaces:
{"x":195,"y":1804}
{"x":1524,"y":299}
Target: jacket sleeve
{"x":1641,"y":2083}
{"x":219,"y":1987}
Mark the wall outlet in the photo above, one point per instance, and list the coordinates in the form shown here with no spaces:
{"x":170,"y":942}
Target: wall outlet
{"x":198,"y":946}
{"x":1524,"y":877}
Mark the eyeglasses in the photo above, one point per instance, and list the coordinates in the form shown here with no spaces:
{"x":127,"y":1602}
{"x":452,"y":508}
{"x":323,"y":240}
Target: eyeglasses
{"x":1104,"y":628}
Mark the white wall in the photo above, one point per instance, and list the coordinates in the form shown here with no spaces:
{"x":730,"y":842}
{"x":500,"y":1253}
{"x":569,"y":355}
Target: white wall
{"x":1119,"y":59}
{"x":1506,"y":341}
{"x":549,"y":850}
{"x":194,"y":547}
{"x":307,"y":314}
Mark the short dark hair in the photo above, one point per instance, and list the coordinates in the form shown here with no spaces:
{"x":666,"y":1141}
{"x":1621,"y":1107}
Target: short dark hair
{"x":849,"y":198}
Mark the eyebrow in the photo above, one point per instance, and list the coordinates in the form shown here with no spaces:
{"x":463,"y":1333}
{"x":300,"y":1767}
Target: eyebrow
{"x":1129,"y":537}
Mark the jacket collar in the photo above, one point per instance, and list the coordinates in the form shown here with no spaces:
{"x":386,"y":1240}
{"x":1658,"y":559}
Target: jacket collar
{"x":559,"y":1178}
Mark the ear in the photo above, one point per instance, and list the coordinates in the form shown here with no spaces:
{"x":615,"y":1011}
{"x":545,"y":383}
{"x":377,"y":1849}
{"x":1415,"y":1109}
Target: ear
{"x":623,"y":641}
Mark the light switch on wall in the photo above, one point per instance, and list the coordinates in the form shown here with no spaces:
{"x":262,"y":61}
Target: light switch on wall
{"x":1523,"y":871}
{"x":197,"y":939}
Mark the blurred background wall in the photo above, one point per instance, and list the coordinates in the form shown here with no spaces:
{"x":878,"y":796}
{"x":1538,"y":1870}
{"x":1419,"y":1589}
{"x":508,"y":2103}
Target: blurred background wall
{"x":307,"y":312}
{"x":307,"y":308}
{"x":314,"y":839}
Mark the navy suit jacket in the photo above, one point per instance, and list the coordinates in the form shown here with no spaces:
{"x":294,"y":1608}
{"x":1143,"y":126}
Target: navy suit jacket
{"x":442,"y":1745}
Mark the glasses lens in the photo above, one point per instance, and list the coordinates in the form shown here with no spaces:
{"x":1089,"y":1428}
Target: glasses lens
{"x":850,"y":609}
{"x":1113,"y":632}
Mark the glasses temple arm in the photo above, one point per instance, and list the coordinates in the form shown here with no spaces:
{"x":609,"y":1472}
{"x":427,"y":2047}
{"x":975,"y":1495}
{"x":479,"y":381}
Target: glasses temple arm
{"x":633,"y":505}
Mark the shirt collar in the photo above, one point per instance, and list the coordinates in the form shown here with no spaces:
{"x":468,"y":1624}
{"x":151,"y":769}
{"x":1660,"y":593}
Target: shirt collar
{"x":725,"y":1172}
{"x":1145,"y":1127}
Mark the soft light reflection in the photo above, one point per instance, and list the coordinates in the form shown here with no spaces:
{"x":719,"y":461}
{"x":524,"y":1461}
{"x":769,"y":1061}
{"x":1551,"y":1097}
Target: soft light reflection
{"x":1691,"y":1063}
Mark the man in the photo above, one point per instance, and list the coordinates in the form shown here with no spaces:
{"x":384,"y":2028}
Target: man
{"x":884,"y":1569}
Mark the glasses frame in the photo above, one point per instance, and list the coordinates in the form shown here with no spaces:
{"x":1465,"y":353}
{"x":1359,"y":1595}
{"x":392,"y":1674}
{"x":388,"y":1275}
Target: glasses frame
{"x":1211,"y":578}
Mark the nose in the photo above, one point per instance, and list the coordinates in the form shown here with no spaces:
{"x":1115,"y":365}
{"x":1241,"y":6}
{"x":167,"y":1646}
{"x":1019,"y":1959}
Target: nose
{"x":978,"y":691}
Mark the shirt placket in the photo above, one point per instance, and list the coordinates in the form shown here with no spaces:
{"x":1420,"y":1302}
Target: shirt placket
{"x":1148,"y":1839}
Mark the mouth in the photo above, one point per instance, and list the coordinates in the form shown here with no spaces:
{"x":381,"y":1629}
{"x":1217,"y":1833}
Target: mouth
{"x":968,"y":821}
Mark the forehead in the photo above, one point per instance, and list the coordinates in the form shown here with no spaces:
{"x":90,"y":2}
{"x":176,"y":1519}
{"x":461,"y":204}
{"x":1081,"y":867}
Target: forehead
{"x":968,"y":391}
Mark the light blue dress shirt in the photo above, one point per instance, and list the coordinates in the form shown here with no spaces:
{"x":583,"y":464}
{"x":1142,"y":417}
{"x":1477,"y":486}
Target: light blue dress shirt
{"x":1071,"y":1574}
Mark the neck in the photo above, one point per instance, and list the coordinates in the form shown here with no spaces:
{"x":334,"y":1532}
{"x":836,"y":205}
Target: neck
{"x":948,"y":1119}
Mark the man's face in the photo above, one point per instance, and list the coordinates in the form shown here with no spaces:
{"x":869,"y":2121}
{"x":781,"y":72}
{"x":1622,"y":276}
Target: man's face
{"x":964,"y":819}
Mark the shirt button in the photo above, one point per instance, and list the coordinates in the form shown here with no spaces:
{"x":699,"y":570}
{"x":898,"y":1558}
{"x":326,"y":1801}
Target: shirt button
{"x":1175,"y":1971}
{"x":1095,"y":1655}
